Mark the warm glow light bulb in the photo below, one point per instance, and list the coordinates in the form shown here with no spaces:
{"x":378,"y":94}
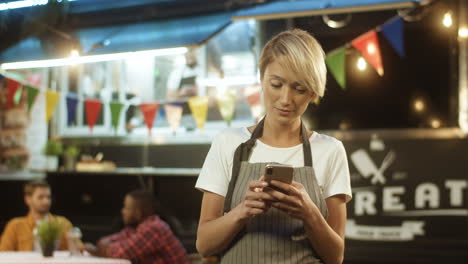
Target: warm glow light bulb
{"x":361,"y":64}
{"x":419,"y":105}
{"x":435,"y":123}
{"x":463,"y":32}
{"x":371,"y":48}
{"x":447,"y":20}
{"x":74,"y":53}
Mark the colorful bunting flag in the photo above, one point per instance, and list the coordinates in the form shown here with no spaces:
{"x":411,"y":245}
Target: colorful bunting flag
{"x":393,"y":32}
{"x":199,"y":107}
{"x":335,"y":61}
{"x":149,"y":111}
{"x":93,"y":107}
{"x":174,"y":114}
{"x":115,"y":108}
{"x":51,"y":103}
{"x":253,"y":94}
{"x":12,"y":87}
{"x":72,"y":103}
{"x":226,"y":104}
{"x":18,"y":94}
{"x":368,"y":45}
{"x":32,"y":94}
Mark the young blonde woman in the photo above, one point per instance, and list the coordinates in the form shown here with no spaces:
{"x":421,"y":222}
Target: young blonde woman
{"x":244,"y":220}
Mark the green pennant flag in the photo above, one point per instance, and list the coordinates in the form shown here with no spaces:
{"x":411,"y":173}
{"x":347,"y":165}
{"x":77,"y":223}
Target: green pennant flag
{"x":17,"y":96}
{"x":116,"y":108}
{"x":32,"y":94}
{"x":336,"y":63}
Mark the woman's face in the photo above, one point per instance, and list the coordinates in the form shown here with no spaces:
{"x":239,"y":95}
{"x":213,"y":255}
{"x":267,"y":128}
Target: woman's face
{"x":285,"y":98}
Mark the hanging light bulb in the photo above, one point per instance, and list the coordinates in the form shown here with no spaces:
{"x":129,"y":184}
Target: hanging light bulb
{"x":463,"y":32}
{"x":371,"y":48}
{"x":435,"y":123}
{"x":419,"y":105}
{"x":447,"y":21}
{"x":74,"y":54}
{"x":361,"y":64}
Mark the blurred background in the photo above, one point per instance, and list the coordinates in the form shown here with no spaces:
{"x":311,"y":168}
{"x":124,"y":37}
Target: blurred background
{"x":101,"y":97}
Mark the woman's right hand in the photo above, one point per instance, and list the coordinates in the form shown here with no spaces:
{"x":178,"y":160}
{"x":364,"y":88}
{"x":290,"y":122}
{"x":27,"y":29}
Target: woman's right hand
{"x":256,"y":201}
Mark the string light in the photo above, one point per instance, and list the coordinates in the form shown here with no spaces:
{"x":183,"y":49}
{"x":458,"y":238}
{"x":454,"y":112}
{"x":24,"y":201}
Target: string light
{"x":463,"y":32}
{"x":371,"y":48}
{"x":419,"y":105}
{"x":361,"y":64}
{"x":435,"y":123}
{"x":447,"y":21}
{"x":74,"y":54}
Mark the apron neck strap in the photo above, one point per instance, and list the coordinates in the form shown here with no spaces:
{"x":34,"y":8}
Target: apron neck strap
{"x":258,"y":132}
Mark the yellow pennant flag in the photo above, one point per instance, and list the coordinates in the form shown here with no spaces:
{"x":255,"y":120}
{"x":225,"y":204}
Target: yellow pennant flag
{"x":227,"y":105}
{"x":51,"y":103}
{"x":199,"y":107}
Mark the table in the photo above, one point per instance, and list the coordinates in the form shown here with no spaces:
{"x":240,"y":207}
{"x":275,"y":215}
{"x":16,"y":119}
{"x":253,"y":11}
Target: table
{"x":60,"y":257}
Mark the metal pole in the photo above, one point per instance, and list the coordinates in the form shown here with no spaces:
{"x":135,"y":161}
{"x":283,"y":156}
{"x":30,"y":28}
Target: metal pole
{"x":463,"y":68}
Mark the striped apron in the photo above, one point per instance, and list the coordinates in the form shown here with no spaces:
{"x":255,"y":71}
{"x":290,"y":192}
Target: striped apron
{"x":273,"y":237}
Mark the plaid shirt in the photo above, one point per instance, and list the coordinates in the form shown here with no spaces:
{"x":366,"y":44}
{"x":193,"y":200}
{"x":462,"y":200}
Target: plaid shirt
{"x":152,"y":242}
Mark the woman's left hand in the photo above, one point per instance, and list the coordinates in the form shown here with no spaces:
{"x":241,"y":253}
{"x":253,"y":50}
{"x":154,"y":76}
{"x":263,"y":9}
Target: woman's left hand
{"x":292,"y":199}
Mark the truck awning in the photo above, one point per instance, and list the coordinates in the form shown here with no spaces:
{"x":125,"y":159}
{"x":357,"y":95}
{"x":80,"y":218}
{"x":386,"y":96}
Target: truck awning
{"x":170,"y":33}
{"x":298,"y":8}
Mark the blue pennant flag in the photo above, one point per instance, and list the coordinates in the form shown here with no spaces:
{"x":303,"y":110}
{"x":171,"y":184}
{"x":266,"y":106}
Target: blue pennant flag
{"x":72,"y":101}
{"x":393,"y":32}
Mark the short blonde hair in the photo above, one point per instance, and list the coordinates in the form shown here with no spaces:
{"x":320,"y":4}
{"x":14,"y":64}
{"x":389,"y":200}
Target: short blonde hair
{"x":299,"y":52}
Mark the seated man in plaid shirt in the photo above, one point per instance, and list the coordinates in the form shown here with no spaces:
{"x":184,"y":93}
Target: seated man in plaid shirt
{"x":146,"y":238}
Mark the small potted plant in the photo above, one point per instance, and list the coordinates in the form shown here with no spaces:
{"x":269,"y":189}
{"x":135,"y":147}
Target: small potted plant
{"x":70,"y":156}
{"x":48,"y":234}
{"x":53,"y":149}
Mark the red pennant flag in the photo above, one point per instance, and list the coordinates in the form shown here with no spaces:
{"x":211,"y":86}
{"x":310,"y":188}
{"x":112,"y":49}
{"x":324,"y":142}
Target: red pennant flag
{"x":93,"y":107}
{"x":368,"y":45}
{"x":12,"y":87}
{"x":149,"y":111}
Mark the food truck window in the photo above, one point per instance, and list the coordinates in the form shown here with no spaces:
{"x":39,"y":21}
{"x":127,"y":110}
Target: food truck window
{"x":225,"y":63}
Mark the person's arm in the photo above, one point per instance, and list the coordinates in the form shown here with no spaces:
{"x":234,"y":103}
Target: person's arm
{"x":8,"y":241}
{"x":325,"y":236}
{"x":216,"y":230}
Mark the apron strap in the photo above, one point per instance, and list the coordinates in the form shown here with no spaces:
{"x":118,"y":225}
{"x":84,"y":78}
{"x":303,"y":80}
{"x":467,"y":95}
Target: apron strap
{"x":242,"y":153}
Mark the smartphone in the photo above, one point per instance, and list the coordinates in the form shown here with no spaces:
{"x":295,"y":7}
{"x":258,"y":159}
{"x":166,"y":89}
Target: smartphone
{"x":279,"y":172}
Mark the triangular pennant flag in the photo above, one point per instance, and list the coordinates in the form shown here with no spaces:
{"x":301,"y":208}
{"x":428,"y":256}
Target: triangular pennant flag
{"x":393,"y":32}
{"x":32,"y":94}
{"x":226,"y":104}
{"x":51,"y":103}
{"x":253,"y":94}
{"x":115,"y":108}
{"x":18,"y":94}
{"x":149,"y":111}
{"x":368,"y":45}
{"x":335,"y":61}
{"x":72,"y":102}
{"x":199,"y":107}
{"x":174,"y":114}
{"x":12,"y":87}
{"x":93,"y":107}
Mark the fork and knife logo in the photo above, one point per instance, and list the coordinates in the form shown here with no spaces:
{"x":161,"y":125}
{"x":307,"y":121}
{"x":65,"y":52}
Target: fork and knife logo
{"x":366,"y":166}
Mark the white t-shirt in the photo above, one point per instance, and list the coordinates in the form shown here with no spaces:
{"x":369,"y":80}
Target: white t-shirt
{"x":328,"y":156}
